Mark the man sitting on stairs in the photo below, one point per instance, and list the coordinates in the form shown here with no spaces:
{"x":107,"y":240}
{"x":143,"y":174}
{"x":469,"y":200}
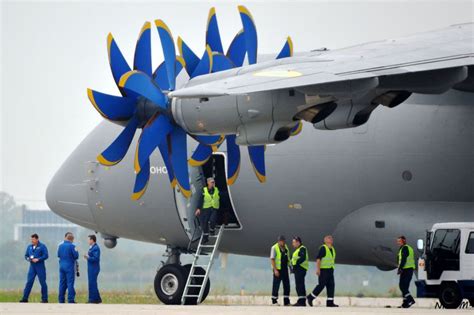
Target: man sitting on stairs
{"x":207,"y":212}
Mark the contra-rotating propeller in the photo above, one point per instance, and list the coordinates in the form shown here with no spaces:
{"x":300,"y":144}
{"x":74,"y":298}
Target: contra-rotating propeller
{"x":144,"y":102}
{"x":244,"y":42}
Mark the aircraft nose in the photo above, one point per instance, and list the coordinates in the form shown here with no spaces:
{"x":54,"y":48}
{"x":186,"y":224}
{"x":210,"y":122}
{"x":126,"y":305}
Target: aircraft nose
{"x":66,"y":196}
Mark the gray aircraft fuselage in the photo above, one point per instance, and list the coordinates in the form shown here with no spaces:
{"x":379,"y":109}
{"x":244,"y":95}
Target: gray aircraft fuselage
{"x":406,"y":169}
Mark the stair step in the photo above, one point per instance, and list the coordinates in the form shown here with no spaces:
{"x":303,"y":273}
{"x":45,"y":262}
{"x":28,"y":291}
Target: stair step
{"x":202,"y":266}
{"x":197,"y":276}
{"x":195,"y":285}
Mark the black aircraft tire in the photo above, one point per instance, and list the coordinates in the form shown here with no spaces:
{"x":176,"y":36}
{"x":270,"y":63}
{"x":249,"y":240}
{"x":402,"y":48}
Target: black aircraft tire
{"x":450,"y":295}
{"x":169,"y":283}
{"x":195,"y":291}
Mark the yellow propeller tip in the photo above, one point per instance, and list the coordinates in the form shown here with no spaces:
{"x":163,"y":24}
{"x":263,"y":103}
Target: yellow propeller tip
{"x":212,"y":12}
{"x":102,"y":160}
{"x":125,"y":77}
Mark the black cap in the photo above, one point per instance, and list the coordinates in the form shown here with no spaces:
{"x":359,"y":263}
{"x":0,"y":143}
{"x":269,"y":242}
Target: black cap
{"x":297,"y":238}
{"x":281,"y":238}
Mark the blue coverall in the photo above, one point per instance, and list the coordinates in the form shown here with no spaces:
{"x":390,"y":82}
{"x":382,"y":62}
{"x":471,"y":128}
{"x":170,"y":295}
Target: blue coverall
{"x":68,"y":255}
{"x":93,"y":269}
{"x":36,"y":269}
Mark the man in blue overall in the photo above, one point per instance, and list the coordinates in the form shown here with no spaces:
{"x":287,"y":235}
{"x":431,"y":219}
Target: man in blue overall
{"x":93,"y":269}
{"x":36,"y":254}
{"x":68,"y":255}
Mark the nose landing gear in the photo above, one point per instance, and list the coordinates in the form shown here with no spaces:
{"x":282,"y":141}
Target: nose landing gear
{"x":170,"y":280}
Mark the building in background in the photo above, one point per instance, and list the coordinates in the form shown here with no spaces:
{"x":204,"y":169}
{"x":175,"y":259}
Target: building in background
{"x":45,"y":223}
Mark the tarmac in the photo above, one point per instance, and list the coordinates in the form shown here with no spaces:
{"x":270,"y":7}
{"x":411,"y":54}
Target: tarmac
{"x":129,"y":309}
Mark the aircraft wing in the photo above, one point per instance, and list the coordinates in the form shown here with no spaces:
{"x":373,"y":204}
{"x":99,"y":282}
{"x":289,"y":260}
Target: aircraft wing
{"x":430,"y":62}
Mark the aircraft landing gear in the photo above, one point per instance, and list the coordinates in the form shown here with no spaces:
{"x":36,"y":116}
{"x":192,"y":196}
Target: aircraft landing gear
{"x":171,"y":278}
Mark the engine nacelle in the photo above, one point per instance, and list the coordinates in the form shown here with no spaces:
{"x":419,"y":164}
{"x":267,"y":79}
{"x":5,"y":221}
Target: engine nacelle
{"x":256,"y":118}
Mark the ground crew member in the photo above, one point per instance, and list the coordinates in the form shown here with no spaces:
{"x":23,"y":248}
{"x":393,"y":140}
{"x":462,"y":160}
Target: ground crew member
{"x":325,"y":262}
{"x":93,"y":269}
{"x":68,"y":255}
{"x":207,"y":212}
{"x":406,"y":266}
{"x":300,"y":264}
{"x":280,"y":260}
{"x":36,"y":253}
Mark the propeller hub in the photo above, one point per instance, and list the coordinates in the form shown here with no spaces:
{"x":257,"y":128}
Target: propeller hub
{"x":146,"y":109}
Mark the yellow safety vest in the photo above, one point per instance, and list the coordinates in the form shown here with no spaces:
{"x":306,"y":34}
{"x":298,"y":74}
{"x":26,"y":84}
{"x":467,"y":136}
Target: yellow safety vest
{"x":295,"y":257}
{"x":410,"y":263}
{"x":276,"y":247}
{"x":329,"y":260}
{"x":211,"y":201}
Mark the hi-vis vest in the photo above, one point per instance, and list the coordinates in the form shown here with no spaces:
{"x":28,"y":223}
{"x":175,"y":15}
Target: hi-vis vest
{"x":328,"y":261}
{"x":276,"y":247}
{"x":410,"y":263}
{"x":296,"y":256}
{"x":211,"y":201}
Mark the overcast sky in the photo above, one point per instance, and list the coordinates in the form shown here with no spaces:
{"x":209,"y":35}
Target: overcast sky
{"x":52,"y":51}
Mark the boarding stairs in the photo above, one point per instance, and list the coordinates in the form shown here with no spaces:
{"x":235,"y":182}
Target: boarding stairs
{"x":203,"y":258}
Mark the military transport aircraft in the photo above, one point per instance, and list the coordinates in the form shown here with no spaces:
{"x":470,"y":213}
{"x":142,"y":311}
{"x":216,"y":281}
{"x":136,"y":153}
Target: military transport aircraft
{"x":392,"y":153}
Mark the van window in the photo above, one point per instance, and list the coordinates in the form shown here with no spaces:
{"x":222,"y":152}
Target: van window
{"x":470,"y":244}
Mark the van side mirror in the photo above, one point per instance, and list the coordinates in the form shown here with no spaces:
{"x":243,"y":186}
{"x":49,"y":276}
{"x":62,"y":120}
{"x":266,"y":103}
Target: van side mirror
{"x":420,"y":244}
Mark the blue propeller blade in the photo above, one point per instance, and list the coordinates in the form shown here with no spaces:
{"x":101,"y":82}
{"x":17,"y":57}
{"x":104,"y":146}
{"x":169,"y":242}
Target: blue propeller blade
{"x":237,"y":49}
{"x":143,"y":85}
{"x":250,"y":32}
{"x":179,"y":159}
{"x":141,"y":181}
{"x":154,"y":133}
{"x":257,"y":157}
{"x":188,"y":55}
{"x":161,"y":76}
{"x":112,"y":107}
{"x":164,"y":150}
{"x":210,"y":140}
{"x":233,"y":159}
{"x":118,"y":64}
{"x":213,"y":38}
{"x":201,"y":155}
{"x":287,"y":50}
{"x":220,"y":62}
{"x":117,"y":150}
{"x":205,"y":65}
{"x":142,"y":59}
{"x":169,"y":52}
{"x":297,"y":129}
